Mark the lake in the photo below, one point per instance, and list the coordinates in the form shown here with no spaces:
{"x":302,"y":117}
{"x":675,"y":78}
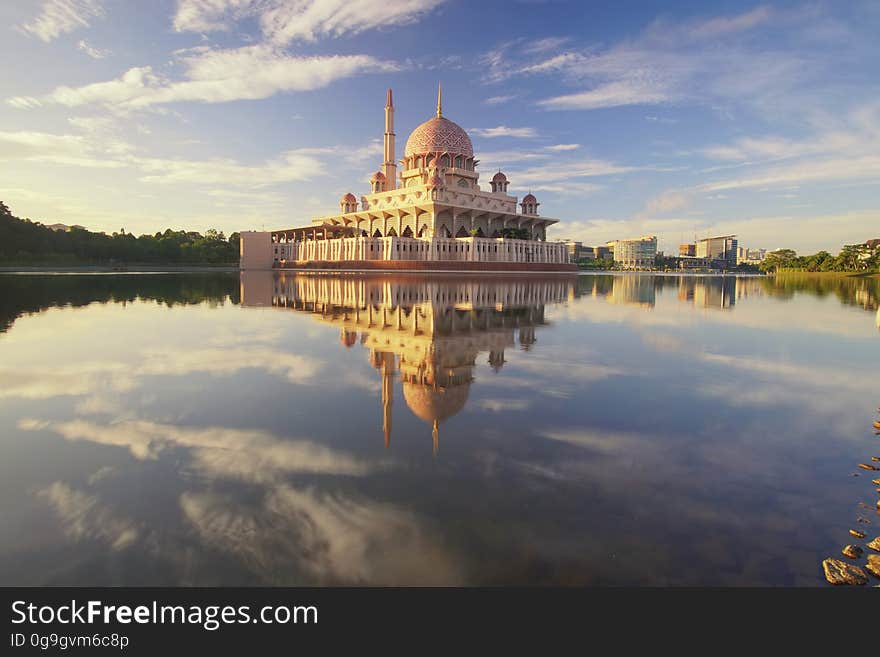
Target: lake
{"x":215,"y":429}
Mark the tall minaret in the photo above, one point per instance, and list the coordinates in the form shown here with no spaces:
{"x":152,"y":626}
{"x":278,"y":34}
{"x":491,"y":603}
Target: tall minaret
{"x":389,"y":167}
{"x":387,"y":395}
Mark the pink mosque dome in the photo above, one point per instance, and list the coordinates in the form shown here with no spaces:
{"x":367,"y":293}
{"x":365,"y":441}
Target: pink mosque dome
{"x":432,"y":404}
{"x":378,"y":177}
{"x":499,"y":177}
{"x":439,"y":135}
{"x":529,"y":198}
{"x":349,"y":198}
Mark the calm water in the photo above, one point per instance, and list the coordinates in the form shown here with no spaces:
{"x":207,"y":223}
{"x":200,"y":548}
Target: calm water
{"x":206,"y":430}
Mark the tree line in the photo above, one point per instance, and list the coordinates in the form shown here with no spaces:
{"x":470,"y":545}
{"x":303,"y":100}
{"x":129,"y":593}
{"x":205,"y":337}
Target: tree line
{"x":852,"y":258}
{"x":23,"y":242}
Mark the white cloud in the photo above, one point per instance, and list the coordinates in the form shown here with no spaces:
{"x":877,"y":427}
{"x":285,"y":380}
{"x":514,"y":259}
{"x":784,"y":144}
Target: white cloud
{"x":728,"y":24}
{"x":498,"y":100}
{"x":328,"y":538}
{"x":709,"y":61}
{"x":283,"y":22}
{"x":504,"y":131}
{"x":213,"y":76}
{"x":91,"y":51}
{"x":668,"y":201}
{"x":83,"y":517}
{"x":563,"y":147}
{"x":58,"y":17}
{"x":611,"y":94}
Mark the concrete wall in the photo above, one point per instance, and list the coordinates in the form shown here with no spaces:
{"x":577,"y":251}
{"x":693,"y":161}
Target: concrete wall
{"x":256,"y":250}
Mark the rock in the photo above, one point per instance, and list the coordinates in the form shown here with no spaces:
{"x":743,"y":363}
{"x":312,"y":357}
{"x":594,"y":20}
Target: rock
{"x":876,"y":482}
{"x":875,"y":544}
{"x":868,"y":466}
{"x":876,"y":424}
{"x":856,"y":534}
{"x":873,"y":565}
{"x":852,"y":551}
{"x":876,"y":459}
{"x":839,"y":572}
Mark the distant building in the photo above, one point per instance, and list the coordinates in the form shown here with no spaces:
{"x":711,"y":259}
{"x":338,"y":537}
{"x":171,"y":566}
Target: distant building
{"x":687,"y":250}
{"x":750,"y":256}
{"x":868,"y":249}
{"x":636,"y":253}
{"x":578,"y":252}
{"x":720,"y":251}
{"x":603,"y":252}
{"x":64,"y":227}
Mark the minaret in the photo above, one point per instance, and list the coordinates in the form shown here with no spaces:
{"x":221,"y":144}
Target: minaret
{"x":439,"y":100}
{"x":387,"y":395}
{"x":389,"y":167}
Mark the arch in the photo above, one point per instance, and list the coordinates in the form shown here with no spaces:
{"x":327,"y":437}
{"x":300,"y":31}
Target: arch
{"x":462,"y":232}
{"x":428,"y":159}
{"x":463,"y":182}
{"x":444,"y":160}
{"x":444,"y":231}
{"x":377,"y":233}
{"x":407,"y":232}
{"x":458,"y":162}
{"x":391,"y":233}
{"x":418,"y":162}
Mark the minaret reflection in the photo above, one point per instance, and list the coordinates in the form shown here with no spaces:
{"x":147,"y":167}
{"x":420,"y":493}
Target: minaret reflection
{"x":427,"y":332}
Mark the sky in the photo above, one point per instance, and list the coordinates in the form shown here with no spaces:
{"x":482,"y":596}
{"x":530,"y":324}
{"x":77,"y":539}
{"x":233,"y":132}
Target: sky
{"x":624,"y":118}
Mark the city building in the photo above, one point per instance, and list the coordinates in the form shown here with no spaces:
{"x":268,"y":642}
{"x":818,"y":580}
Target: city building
{"x":720,"y":252}
{"x":603,"y":252}
{"x":577,"y":252}
{"x":750,"y":256}
{"x":432,"y":215}
{"x":867,"y":250}
{"x":689,"y":250}
{"x":636,"y":253}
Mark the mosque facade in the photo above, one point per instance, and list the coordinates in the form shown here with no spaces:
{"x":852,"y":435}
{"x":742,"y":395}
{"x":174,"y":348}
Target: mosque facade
{"x":432,"y":215}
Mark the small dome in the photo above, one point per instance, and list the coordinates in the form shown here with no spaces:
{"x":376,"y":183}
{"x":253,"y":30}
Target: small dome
{"x":349,"y":198}
{"x":499,"y":177}
{"x":439,"y":135}
{"x":430,"y":404}
{"x":377,"y":177}
{"x":529,"y":198}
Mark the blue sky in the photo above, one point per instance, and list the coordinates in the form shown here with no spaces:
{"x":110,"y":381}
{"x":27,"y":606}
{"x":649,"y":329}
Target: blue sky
{"x":624,"y":118}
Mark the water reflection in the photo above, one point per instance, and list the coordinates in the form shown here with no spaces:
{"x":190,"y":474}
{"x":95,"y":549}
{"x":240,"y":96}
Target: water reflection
{"x":631,"y":429}
{"x":429,"y":332}
{"x":33,"y":293}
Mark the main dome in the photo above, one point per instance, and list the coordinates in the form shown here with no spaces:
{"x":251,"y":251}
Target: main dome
{"x":439,"y":135}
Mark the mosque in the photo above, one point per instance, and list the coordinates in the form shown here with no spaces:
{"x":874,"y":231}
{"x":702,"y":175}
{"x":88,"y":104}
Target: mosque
{"x":431,"y":216}
{"x":426,"y":332}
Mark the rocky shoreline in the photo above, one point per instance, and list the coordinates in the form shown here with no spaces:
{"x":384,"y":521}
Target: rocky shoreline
{"x":839,"y":572}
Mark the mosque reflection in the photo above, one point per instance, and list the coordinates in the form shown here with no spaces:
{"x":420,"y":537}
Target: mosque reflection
{"x":429,"y":332}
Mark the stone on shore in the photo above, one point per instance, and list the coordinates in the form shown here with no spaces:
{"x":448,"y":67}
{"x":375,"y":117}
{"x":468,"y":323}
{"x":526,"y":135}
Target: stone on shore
{"x":868,"y":466}
{"x":875,"y":544}
{"x":839,"y":572}
{"x":876,"y":482}
{"x":873,"y":565}
{"x":856,"y":534}
{"x":852,"y":551}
